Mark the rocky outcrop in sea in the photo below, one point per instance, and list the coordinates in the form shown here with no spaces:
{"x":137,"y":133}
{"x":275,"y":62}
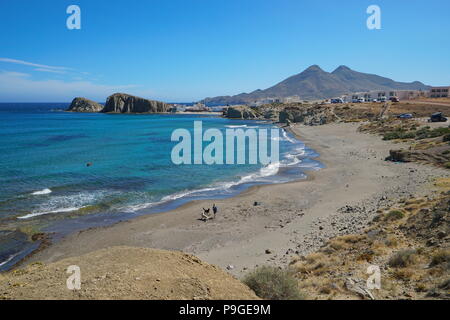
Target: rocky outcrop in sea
{"x":84,"y":105}
{"x":119,"y":103}
{"x":124,"y":103}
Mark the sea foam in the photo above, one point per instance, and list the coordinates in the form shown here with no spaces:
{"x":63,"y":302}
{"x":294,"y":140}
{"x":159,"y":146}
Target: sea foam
{"x":41,"y":192}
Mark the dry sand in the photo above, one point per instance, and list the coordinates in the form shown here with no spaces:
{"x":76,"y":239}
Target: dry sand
{"x":293,"y":218}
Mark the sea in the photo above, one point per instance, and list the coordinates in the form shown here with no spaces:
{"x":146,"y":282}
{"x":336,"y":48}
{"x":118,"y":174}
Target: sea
{"x":63,"y":172}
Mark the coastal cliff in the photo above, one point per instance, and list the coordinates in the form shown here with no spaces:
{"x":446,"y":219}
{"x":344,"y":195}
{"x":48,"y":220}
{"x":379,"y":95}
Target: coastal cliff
{"x":241,"y":112}
{"x":84,"y":105}
{"x":124,"y":103}
{"x":308,"y":115}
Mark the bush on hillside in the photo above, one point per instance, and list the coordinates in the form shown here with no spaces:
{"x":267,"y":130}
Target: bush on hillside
{"x":403,"y":258}
{"x":395,"y":215}
{"x":273,"y":284}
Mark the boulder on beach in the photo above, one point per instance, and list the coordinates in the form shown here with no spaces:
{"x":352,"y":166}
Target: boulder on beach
{"x":125,"y":103}
{"x":84,"y":105}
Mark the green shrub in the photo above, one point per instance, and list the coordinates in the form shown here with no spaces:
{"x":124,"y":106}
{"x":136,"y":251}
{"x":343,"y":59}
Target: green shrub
{"x":391,"y":135}
{"x":438,"y":218}
{"x":438,"y":132}
{"x":446,"y":138}
{"x":442,"y":256}
{"x":395,"y":215}
{"x":425,"y":132}
{"x":409,"y":135}
{"x":445,"y":285}
{"x":403,"y":258}
{"x":447,"y":165}
{"x":273,"y":284}
{"x":399,"y":134}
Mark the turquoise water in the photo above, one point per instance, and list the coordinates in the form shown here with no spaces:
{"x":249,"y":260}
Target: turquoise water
{"x":46,"y":184}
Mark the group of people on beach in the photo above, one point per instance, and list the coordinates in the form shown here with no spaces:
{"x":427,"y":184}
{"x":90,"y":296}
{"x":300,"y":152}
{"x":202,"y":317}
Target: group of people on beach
{"x":206,"y":214}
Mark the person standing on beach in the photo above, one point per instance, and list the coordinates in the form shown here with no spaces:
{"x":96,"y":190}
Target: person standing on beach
{"x":214,"y":210}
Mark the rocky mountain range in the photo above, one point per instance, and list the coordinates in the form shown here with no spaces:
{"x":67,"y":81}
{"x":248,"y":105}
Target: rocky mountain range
{"x":315,"y":83}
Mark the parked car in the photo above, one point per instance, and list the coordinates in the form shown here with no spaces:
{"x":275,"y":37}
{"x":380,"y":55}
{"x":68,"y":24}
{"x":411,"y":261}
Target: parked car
{"x":374,"y":100}
{"x":360,"y":100}
{"x":405,"y":116}
{"x":382,"y":99}
{"x":437,"y":117}
{"x":394,"y":99}
{"x":338,"y":100}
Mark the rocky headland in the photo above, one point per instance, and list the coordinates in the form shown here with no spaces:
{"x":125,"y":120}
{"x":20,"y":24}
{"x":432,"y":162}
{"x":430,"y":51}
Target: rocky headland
{"x":119,"y":103}
{"x":307,"y":114}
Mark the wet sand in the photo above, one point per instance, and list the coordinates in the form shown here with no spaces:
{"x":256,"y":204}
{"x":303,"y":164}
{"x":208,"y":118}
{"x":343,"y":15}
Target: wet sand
{"x":290,"y":219}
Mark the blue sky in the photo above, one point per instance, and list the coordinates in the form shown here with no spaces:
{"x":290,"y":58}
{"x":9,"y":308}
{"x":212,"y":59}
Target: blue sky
{"x":185,"y":50}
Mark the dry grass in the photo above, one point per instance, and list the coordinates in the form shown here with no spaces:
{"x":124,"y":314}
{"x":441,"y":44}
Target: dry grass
{"x":440,"y":257}
{"x":405,"y":274}
{"x":443,"y":183}
{"x":391,"y":241}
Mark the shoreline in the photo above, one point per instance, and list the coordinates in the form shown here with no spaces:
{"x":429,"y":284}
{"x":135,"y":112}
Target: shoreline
{"x":291,"y":219}
{"x":53,"y":235}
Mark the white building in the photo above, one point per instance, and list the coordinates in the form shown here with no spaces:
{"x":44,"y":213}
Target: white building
{"x":292,"y":99}
{"x":370,"y":95}
{"x":439,"y":92}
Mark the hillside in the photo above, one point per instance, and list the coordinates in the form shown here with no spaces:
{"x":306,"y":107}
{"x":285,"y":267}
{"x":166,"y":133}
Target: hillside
{"x":125,"y":273}
{"x":315,"y":83}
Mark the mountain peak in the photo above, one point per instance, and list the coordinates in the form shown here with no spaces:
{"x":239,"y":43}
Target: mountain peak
{"x":342,"y":68}
{"x":314,"y":67}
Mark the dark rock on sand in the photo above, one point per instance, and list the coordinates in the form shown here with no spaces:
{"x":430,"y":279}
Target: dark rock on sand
{"x":124,"y":103}
{"x":14,"y":245}
{"x":84,"y":105}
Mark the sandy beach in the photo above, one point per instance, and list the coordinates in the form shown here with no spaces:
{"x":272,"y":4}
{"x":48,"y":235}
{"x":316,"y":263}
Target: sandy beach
{"x":290,"y":219}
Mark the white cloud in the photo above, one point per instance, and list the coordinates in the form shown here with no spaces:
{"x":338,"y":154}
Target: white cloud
{"x":20,"y":87}
{"x":49,"y":70}
{"x":31,"y":64}
{"x":15,"y":74}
